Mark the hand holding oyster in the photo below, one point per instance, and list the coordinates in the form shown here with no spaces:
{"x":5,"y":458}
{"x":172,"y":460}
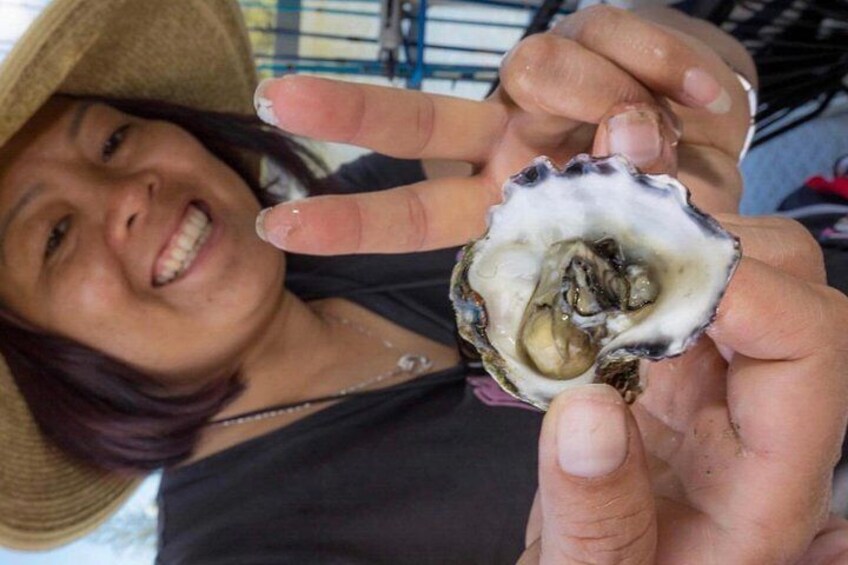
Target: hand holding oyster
{"x":586,"y":270}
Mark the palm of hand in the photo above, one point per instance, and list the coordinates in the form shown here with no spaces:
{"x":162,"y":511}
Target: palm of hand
{"x":694,"y":454}
{"x":722,"y":478}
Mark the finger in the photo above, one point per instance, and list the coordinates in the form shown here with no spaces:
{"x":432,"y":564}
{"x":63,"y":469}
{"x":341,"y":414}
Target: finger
{"x":597,"y":503}
{"x":392,"y":121}
{"x":422,"y":216}
{"x":534,"y":523}
{"x":779,"y":242}
{"x":661,"y":60}
{"x":531,"y":555}
{"x":557,"y":83}
{"x":670,"y":64}
{"x":769,"y":315}
{"x":642,"y":133}
{"x":764,"y":466}
{"x":712,"y":176}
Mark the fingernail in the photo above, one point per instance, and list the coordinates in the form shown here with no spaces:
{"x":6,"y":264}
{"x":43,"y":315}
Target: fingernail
{"x":260,"y":224}
{"x":636,"y":135}
{"x":592,"y":432}
{"x":701,"y":87}
{"x":264,"y":106}
{"x":286,"y":220}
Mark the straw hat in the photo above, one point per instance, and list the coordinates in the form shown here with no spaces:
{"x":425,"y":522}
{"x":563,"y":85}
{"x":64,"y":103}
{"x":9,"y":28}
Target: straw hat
{"x":190,"y":52}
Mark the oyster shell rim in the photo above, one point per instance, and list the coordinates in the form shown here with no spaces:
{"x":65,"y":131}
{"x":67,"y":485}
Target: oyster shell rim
{"x":618,"y":367}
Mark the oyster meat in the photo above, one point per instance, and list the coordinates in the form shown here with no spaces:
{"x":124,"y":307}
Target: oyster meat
{"x":586,"y":270}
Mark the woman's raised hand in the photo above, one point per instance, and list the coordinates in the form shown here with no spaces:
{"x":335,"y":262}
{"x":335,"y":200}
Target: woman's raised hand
{"x":555,"y":88}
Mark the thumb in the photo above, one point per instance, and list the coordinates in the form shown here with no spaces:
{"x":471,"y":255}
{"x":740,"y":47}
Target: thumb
{"x":595,"y":492}
{"x":644,"y":133}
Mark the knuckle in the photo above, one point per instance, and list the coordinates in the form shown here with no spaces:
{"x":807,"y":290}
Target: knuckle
{"x":531,"y":64}
{"x":603,"y":13}
{"x":836,"y":305}
{"x":357,"y":118}
{"x":621,"y":538}
{"x":792,"y":228}
{"x":598,"y":21}
{"x":801,"y":245}
{"x":815,"y":259}
{"x":665,"y":51}
{"x":534,"y":50}
{"x":563,"y":25}
{"x":417,"y":221}
{"x":425,"y":123}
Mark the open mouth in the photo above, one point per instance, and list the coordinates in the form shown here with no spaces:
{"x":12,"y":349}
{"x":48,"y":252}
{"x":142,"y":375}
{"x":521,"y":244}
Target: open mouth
{"x":182,"y":249}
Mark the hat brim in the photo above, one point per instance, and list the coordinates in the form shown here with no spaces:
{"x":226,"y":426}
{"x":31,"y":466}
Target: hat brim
{"x":191,"y":52}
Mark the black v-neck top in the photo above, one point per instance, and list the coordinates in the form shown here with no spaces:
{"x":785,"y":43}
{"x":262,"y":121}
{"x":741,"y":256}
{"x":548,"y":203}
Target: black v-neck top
{"x":439,"y":470}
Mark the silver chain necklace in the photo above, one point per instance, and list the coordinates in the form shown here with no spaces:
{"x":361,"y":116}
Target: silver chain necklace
{"x":408,"y":363}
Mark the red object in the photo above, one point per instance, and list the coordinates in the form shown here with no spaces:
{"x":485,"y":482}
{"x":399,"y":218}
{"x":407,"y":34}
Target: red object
{"x":837,"y":186}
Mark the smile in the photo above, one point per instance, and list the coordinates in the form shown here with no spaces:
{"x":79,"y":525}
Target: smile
{"x":183,"y":247}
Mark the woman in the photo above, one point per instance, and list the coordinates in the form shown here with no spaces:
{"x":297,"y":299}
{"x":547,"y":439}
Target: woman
{"x":400,"y":464}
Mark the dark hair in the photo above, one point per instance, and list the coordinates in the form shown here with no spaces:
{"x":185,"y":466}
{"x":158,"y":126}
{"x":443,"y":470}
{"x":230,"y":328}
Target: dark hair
{"x":97,"y":408}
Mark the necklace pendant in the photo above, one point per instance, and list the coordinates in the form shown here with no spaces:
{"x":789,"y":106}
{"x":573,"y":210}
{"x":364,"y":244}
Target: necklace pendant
{"x":411,"y":363}
{"x":415,"y":364}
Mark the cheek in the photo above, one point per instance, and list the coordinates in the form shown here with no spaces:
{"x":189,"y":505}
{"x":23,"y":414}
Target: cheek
{"x":90,"y":298}
{"x":183,"y":340}
{"x":95,"y":307}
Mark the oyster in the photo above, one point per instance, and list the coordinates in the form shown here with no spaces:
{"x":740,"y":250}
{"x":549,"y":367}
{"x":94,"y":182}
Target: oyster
{"x":583,"y":272}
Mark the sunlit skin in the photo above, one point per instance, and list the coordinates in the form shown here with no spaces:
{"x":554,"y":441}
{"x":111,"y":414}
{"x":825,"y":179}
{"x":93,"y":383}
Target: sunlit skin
{"x":79,"y":262}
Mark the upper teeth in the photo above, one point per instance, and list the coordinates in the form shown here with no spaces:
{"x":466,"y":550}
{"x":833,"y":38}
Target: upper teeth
{"x":184,"y":246}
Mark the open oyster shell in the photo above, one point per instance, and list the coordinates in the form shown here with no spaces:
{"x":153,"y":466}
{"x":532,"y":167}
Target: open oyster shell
{"x":585,"y":271}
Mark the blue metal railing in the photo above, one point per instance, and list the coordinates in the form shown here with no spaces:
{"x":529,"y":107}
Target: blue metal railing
{"x":414,"y":63}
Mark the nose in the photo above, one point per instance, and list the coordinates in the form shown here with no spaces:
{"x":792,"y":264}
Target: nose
{"x":129,"y":202}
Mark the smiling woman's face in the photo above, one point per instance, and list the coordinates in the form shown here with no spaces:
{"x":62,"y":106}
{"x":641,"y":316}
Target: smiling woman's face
{"x":128,"y":236}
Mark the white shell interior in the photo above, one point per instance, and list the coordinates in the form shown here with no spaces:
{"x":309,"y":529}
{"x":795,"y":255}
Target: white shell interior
{"x":653,"y":225}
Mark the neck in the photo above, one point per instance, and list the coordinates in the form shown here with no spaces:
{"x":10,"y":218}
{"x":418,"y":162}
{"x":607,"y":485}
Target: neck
{"x":304,"y":353}
{"x":285,"y":364}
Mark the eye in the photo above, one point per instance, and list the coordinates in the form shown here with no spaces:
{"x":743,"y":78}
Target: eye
{"x":114,"y":142}
{"x":57,"y":235}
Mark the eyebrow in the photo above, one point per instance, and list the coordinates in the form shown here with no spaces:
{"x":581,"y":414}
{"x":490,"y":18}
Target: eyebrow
{"x":29,"y":196}
{"x":77,"y":119}
{"x":36,"y":190}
